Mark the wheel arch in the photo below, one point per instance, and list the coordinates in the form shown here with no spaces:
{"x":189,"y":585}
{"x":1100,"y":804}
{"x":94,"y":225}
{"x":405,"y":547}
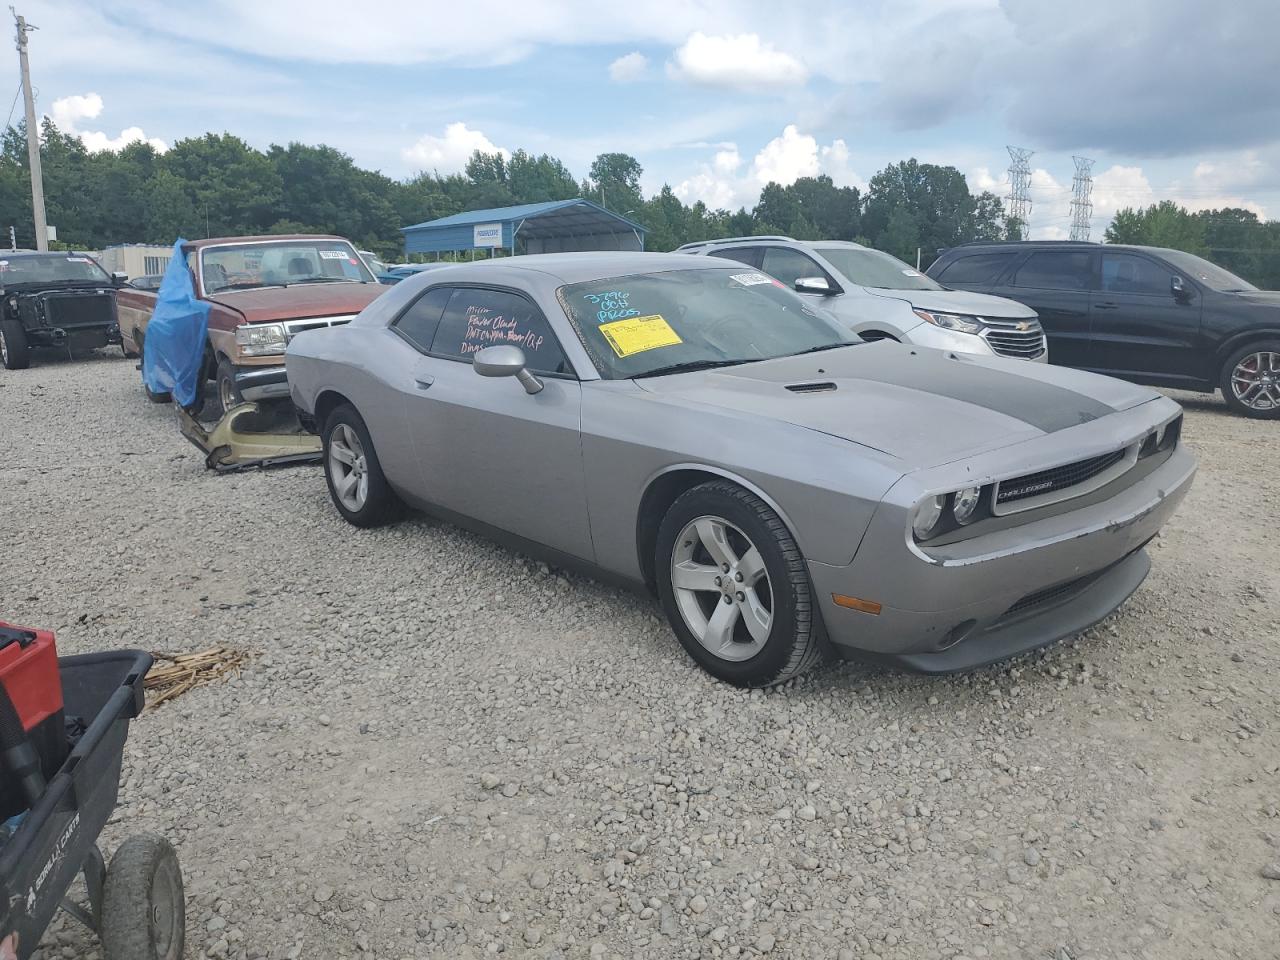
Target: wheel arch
{"x":1241,"y":339}
{"x":327,"y":401}
{"x":662,"y":490}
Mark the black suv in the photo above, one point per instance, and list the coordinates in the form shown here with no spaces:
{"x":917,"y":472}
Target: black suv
{"x":1145,"y":314}
{"x":54,"y":300}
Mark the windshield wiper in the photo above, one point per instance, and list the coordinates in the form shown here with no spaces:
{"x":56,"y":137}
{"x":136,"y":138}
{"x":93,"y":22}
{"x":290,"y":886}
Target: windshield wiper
{"x":820,"y":348}
{"x":689,"y":366}
{"x":249,"y":285}
{"x":324,"y":280}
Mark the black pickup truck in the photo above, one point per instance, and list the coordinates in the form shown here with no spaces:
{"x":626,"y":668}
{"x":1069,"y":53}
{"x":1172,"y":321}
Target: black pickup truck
{"x":54,"y":300}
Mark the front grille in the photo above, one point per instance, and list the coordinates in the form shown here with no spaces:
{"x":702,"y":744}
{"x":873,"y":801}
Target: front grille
{"x":1020,"y":339}
{"x":1051,"y":595}
{"x":79,"y":310}
{"x":294,"y":327}
{"x":1058,"y":478}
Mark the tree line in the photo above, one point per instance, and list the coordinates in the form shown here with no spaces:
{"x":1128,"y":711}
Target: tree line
{"x":218,"y":185}
{"x":1231,"y":237}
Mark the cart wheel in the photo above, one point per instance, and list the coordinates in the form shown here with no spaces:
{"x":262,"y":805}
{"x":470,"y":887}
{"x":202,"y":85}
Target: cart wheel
{"x":144,"y":915}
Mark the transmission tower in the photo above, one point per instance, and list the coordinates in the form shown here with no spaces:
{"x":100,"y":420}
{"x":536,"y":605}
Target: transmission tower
{"x":1019,"y":191}
{"x":1081,"y":198}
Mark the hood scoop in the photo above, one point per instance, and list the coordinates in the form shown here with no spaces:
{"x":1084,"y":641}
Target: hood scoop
{"x":823,"y":386}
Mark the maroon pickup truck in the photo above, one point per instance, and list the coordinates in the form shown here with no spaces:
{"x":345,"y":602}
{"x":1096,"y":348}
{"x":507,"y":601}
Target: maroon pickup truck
{"x":261,"y":291}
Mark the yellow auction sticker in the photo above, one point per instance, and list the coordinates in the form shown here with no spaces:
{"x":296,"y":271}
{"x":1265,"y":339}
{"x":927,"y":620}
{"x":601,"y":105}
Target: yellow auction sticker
{"x":638,"y":334}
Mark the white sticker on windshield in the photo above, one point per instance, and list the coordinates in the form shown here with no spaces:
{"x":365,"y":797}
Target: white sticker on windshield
{"x":77,"y":259}
{"x":751,"y":279}
{"x":334,"y":255}
{"x":910,"y":273}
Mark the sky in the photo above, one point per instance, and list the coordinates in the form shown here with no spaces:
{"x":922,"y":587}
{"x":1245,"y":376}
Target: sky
{"x":1171,"y":99}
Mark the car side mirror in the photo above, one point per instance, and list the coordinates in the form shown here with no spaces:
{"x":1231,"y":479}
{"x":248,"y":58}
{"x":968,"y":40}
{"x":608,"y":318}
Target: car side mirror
{"x":1181,"y":292}
{"x":119,"y":279}
{"x":505,"y":361}
{"x":813,"y":285}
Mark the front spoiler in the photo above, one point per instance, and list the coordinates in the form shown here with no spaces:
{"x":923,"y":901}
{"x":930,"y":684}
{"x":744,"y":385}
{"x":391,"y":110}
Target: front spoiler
{"x":233,"y":444}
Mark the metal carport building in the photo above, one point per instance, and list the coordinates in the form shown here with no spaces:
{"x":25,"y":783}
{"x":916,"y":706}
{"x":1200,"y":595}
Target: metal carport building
{"x":552,"y":227}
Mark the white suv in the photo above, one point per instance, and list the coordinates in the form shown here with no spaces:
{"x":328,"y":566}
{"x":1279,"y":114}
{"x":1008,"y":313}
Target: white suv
{"x":879,"y":297}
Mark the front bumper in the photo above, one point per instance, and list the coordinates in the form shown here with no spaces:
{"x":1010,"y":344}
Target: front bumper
{"x":928,"y":335}
{"x":984,"y":599}
{"x":262,"y":383}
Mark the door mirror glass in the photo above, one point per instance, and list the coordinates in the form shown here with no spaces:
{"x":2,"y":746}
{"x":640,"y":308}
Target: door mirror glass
{"x":813,"y":285}
{"x":119,"y":279}
{"x":505,"y":361}
{"x":1181,"y":292}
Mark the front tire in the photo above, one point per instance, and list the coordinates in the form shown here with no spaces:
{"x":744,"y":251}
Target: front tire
{"x":1251,"y":380}
{"x":143,"y":907}
{"x":735,"y":588}
{"x":14,"y":350}
{"x":351,"y":469}
{"x":228,"y":393}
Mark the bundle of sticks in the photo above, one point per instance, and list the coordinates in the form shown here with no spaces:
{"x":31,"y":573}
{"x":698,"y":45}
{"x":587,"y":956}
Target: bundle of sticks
{"x":173,"y":674}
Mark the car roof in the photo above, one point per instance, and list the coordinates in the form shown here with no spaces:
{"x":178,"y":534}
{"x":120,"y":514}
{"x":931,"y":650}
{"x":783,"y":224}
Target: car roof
{"x":18,"y":254}
{"x":700,"y":246}
{"x":980,"y":245}
{"x":575,"y":267}
{"x":265,"y":238}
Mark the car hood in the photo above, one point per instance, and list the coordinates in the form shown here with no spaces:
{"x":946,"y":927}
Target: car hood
{"x":958,"y":301}
{"x":923,"y":407}
{"x":309,"y":300}
{"x":1263,"y":298}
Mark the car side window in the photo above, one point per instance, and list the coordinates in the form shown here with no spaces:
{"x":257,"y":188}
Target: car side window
{"x":788,"y":266}
{"x":420,"y":319}
{"x":1125,"y":273}
{"x":748,"y":255}
{"x":476,"y":318}
{"x":984,"y":268}
{"x":1057,"y":270}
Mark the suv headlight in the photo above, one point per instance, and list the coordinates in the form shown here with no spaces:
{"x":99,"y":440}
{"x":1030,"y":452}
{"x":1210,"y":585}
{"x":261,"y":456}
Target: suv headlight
{"x":960,"y":323}
{"x":260,"y":339}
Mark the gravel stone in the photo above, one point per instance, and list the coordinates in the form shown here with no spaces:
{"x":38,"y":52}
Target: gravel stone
{"x":442,"y":661}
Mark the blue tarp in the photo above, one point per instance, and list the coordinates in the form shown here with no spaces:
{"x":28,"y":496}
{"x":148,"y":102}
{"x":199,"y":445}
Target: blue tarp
{"x":173,"y":348}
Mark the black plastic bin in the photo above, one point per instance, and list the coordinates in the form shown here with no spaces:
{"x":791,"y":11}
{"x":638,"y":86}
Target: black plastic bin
{"x":59,"y":836}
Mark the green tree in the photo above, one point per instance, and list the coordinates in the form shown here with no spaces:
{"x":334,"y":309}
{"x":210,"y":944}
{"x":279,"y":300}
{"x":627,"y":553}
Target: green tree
{"x":937,"y":210}
{"x":1163,"y":224}
{"x":615,"y":181}
{"x":233,"y":186}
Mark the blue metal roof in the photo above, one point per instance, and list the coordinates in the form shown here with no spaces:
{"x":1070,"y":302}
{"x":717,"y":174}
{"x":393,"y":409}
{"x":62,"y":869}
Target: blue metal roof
{"x":552,"y":219}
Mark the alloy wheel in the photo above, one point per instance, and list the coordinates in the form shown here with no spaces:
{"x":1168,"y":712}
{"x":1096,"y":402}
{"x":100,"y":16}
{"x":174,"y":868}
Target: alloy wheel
{"x":225,"y":394}
{"x":4,"y":349}
{"x":1256,"y":380}
{"x":348,"y":468}
{"x":722,"y":588}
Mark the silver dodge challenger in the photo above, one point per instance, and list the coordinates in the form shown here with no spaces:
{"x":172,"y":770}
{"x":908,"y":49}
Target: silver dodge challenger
{"x":694,"y":427}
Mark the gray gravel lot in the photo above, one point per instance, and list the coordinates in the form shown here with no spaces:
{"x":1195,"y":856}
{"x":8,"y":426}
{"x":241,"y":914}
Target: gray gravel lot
{"x":443,"y":749}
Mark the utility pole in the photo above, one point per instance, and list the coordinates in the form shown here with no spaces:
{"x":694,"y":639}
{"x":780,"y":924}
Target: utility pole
{"x":33,"y":135}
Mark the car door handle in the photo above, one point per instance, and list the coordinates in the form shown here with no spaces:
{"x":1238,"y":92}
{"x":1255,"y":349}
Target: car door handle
{"x":1107,"y":306}
{"x":424,"y":380}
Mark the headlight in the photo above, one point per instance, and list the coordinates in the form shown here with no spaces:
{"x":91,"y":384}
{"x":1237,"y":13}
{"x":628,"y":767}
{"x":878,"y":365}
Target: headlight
{"x":260,"y":339}
{"x":927,"y":516}
{"x":965,"y":503}
{"x":960,"y":323}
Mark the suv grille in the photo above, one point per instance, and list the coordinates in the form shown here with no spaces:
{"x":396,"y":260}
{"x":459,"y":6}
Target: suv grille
{"x":79,"y":310}
{"x":1020,"y":339}
{"x":1058,"y":478}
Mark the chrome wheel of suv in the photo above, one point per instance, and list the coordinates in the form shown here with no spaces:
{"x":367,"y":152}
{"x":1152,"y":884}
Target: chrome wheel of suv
{"x":1255,"y":381}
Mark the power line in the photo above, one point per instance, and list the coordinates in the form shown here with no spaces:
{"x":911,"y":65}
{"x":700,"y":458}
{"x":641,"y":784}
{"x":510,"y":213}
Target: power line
{"x":1081,"y":198}
{"x":13,"y":106}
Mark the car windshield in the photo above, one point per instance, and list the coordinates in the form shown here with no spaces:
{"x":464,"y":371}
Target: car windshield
{"x":1210,"y":274}
{"x":247,"y":266}
{"x":875,"y":268}
{"x":653,"y":323}
{"x":51,"y":268}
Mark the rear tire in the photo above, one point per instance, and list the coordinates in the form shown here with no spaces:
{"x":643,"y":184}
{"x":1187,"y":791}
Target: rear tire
{"x":352,"y":472}
{"x":753,"y":624}
{"x":14,"y":351}
{"x":1250,"y":380}
{"x":143,"y":908}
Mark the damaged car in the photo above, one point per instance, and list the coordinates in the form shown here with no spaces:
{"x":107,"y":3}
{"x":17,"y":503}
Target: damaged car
{"x":63,"y":300}
{"x":784,"y":488}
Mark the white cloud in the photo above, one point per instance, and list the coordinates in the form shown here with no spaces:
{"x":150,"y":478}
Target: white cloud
{"x":68,"y":113}
{"x":629,"y":68}
{"x":449,"y":153}
{"x":740,"y":62}
{"x":784,"y":159}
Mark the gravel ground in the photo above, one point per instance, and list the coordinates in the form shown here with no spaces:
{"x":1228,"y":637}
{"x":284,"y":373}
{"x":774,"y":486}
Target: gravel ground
{"x":443,"y":749}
